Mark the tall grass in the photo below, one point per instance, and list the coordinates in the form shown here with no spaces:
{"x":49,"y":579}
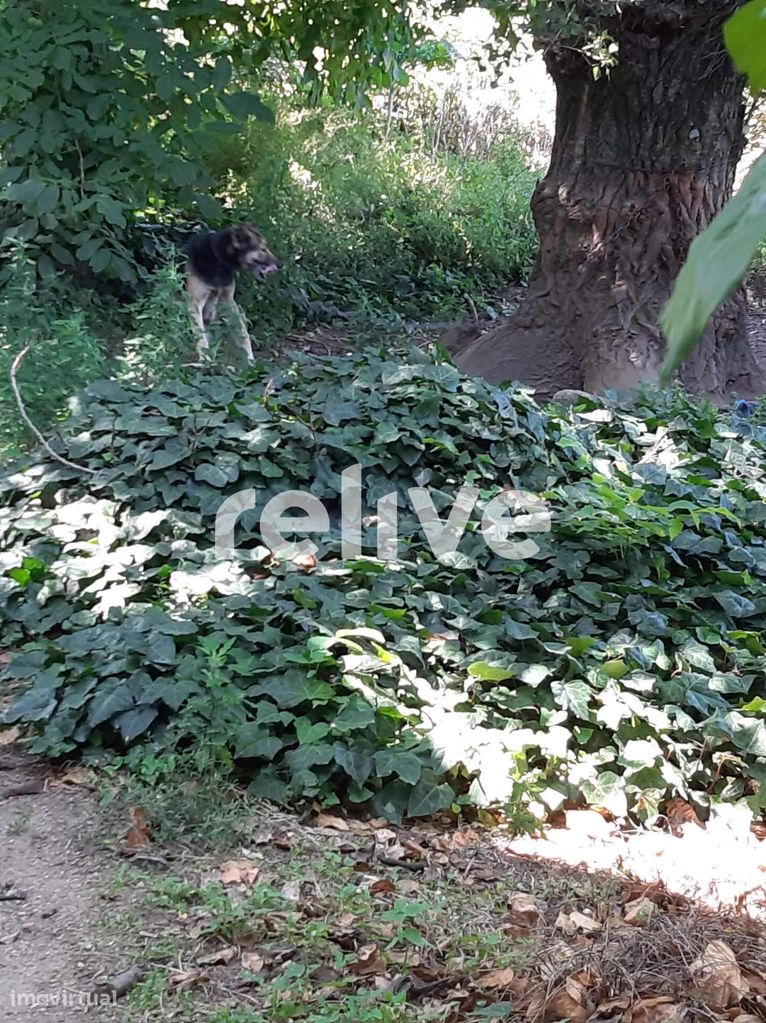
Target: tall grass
{"x":369,"y":224}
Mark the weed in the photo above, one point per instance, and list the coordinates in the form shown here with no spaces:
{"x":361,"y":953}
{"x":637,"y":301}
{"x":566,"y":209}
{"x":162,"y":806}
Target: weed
{"x":63,"y":353}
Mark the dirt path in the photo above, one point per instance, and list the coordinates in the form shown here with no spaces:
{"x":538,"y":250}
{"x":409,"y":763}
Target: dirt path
{"x":54,"y":948}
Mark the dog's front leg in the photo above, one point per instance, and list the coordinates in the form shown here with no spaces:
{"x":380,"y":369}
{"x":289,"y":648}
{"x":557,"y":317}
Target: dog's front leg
{"x":244,"y":337}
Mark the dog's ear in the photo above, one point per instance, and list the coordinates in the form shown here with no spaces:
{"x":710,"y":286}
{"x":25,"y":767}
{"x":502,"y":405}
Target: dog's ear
{"x":243,"y":236}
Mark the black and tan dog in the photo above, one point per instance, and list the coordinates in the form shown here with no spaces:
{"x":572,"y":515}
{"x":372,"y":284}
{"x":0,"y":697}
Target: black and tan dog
{"x":214,"y":259}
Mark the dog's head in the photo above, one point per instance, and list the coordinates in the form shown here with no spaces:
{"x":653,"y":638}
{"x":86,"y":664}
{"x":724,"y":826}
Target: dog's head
{"x":250,"y":251}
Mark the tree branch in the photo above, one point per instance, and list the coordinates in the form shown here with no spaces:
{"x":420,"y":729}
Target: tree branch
{"x":28,"y":422}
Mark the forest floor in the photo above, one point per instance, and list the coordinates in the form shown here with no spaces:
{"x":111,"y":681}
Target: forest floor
{"x":252,"y":914}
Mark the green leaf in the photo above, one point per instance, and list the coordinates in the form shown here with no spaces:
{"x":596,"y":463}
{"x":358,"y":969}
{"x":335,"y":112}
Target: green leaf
{"x":257,"y":743}
{"x":112,"y":210}
{"x":745,"y":37}
{"x":174,"y":451}
{"x":576,"y":696}
{"x":490,"y":672}
{"x":391,"y":801}
{"x":47,"y":200}
{"x":37,"y":704}
{"x":717,"y":262}
{"x":734,"y":604}
{"x":293,"y":688}
{"x":607,"y":790}
{"x":100,"y":261}
{"x":244,"y":104}
{"x":356,"y":764}
{"x":406,"y":766}
{"x":747,"y":734}
{"x":26,"y":191}
{"x":427,"y":797}
{"x":208,"y":473}
{"x":134,"y":722}
{"x":9,"y":174}
{"x":112,"y":698}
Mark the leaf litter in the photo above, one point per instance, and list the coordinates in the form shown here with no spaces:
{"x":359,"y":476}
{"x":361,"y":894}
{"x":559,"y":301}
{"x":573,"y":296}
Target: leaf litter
{"x":482,"y":933}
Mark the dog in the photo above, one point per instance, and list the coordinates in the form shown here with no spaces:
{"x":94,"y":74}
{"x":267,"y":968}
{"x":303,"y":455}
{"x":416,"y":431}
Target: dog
{"x":213,"y":260}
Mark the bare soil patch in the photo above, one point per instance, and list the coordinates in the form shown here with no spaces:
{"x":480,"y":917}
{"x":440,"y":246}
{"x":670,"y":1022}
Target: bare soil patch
{"x":54,"y":947}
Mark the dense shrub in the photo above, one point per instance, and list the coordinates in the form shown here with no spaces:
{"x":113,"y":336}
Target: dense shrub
{"x":369,"y":224}
{"x":63,"y":355}
{"x":622,"y":663}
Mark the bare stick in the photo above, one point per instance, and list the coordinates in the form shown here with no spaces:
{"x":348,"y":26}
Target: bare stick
{"x":28,"y":422}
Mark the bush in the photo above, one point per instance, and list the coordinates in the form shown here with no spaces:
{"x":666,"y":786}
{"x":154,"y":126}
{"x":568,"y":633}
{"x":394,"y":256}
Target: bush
{"x":620,"y":664}
{"x":64,"y":355}
{"x":369,"y":225}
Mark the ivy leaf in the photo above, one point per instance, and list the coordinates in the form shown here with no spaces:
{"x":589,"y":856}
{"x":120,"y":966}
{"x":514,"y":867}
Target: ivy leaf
{"x":134,"y":722}
{"x":408,"y":767}
{"x":575,"y":696}
{"x":489,"y":672}
{"x":427,"y":797}
{"x":356,"y":764}
{"x":212,"y":474}
{"x":735,"y":605}
{"x":111,"y":699}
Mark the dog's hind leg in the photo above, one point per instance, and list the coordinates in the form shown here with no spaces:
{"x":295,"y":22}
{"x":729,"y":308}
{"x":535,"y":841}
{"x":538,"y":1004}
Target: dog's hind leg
{"x":198,"y":294}
{"x":244,"y":338}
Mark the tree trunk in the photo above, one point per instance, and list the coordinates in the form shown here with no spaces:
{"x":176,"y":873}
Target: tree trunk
{"x":643,"y":158}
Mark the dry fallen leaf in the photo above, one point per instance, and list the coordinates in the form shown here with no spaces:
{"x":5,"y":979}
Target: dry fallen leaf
{"x":496,"y":979}
{"x":458,"y":840}
{"x":383,"y":884}
{"x":292,"y":891}
{"x":756,"y":983}
{"x":239,"y":872}
{"x":9,"y":736}
{"x":417,"y":851}
{"x":661,"y":1009}
{"x":678,"y":813}
{"x":305,"y":561}
{"x":639,"y":912}
{"x":183,"y":980}
{"x":369,"y":962}
{"x":252,"y":961}
{"x":407,"y":886}
{"x":137,"y":835}
{"x":327,"y":820}
{"x":606,"y":1009}
{"x":568,"y":1003}
{"x":571,"y":923}
{"x":717,"y":976}
{"x":221,"y":956}
{"x":79,"y":776}
{"x":523,"y":909}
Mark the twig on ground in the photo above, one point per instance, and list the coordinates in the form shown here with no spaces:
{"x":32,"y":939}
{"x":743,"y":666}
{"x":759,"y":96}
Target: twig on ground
{"x":28,"y":422}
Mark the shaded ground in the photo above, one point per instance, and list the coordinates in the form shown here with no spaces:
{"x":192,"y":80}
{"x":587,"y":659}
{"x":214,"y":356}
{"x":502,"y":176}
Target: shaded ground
{"x":455,"y":337}
{"x":253,"y":915}
{"x":53,"y":874}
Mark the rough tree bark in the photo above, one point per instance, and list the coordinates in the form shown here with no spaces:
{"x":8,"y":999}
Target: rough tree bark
{"x":642,"y":160}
